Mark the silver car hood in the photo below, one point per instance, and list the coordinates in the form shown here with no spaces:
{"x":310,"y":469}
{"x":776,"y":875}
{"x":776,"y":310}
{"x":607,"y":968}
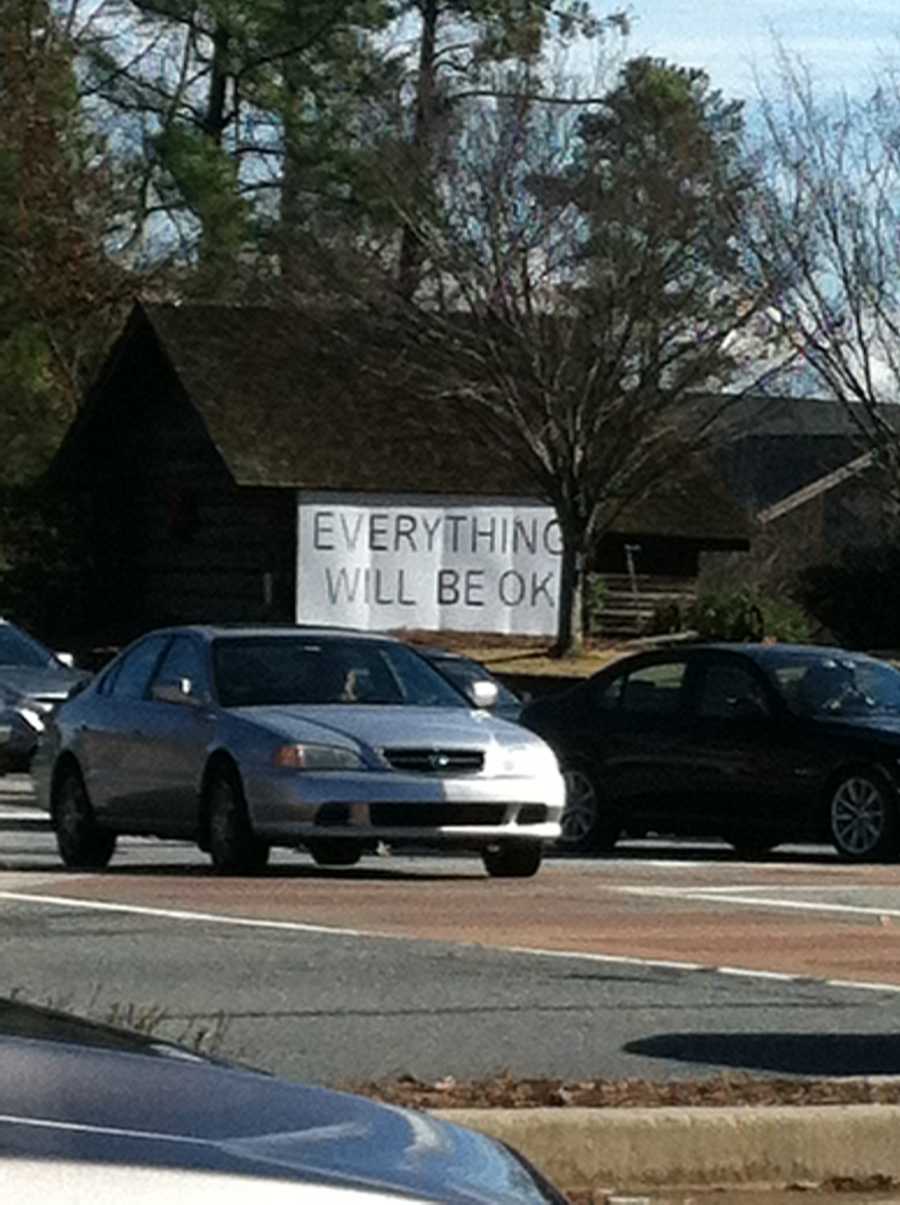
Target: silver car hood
{"x":382,"y":726}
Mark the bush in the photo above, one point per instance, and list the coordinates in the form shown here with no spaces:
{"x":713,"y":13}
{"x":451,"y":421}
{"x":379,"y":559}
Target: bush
{"x":595,"y":593}
{"x":748,"y":615}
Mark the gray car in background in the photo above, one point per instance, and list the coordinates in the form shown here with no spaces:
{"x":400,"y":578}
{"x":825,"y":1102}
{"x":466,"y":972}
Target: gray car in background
{"x":335,"y":741}
{"x":33,"y":682}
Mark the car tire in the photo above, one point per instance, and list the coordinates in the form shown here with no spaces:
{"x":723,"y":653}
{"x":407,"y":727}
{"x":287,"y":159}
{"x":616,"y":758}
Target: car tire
{"x":328,"y":851}
{"x":233,"y":846}
{"x":862,"y":816}
{"x":585,"y":826}
{"x":513,"y":859}
{"x":82,"y":843}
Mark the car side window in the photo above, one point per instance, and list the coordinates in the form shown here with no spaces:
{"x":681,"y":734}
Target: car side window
{"x":654,"y":689}
{"x":606,"y":694}
{"x":730,"y":691}
{"x":135,"y":670}
{"x":183,"y":659}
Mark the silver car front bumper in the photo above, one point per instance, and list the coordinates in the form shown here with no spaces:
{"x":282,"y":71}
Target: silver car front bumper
{"x":290,"y":808}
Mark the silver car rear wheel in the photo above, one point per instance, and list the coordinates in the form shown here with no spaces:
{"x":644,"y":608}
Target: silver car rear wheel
{"x":82,"y":844}
{"x":863,"y":816}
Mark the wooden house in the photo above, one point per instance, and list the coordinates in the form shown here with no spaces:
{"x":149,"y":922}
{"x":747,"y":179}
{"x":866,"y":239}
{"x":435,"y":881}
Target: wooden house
{"x":204,"y":423}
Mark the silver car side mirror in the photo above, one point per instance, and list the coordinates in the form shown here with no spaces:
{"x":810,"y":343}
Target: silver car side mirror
{"x":181,"y":691}
{"x":484,"y":693}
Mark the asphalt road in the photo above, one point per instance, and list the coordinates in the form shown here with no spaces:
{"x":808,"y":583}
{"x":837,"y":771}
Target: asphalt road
{"x":667,"y":961}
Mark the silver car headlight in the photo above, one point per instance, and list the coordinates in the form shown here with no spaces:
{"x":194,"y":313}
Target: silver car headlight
{"x":31,"y":718}
{"x":534,"y":759}
{"x":317,"y":757}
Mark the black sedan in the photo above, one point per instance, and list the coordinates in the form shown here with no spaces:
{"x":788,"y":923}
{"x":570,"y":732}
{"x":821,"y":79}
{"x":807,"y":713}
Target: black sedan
{"x":754,"y":743}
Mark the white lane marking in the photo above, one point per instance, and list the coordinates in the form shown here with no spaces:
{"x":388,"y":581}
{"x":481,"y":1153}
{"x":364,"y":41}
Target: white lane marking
{"x":333,"y":930}
{"x":211,"y":918}
{"x":706,"y":895}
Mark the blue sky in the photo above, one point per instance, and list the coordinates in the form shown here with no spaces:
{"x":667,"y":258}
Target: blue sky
{"x":841,"y":41}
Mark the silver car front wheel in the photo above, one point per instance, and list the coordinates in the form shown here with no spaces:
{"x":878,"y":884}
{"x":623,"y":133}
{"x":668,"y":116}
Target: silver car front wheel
{"x":233,"y":847}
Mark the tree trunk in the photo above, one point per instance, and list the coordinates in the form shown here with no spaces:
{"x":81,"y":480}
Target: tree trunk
{"x":215,"y":119}
{"x":410,"y":259}
{"x":570,"y":619}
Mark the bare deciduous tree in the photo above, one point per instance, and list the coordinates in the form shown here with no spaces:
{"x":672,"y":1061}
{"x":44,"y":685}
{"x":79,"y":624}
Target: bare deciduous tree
{"x":583,"y":281}
{"x":827,"y":237}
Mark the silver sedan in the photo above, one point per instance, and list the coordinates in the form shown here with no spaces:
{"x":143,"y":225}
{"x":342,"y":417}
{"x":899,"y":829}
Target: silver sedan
{"x":245,"y":738}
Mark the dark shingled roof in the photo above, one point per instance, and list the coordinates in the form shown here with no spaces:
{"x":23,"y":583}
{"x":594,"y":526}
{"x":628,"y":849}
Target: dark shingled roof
{"x":285,"y":406}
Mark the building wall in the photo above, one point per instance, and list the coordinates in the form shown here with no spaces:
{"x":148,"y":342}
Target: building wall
{"x":175,"y":539}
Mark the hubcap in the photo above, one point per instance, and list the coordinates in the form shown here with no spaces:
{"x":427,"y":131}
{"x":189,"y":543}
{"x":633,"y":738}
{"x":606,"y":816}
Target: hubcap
{"x":580,"y":813}
{"x":858,"y":815}
{"x":221,"y":819}
{"x":71,"y":815}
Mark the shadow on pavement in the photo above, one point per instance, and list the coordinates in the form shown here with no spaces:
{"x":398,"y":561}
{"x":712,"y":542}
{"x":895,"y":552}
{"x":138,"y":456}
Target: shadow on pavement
{"x":816,"y":1054}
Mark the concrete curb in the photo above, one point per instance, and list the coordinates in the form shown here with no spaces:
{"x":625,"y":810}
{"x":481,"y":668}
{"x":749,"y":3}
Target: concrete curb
{"x":698,"y":1147}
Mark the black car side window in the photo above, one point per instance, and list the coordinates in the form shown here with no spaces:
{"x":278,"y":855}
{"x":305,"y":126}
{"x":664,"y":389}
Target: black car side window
{"x":134,"y":673}
{"x":607,"y":695}
{"x":730,"y":691}
{"x":654,"y":689}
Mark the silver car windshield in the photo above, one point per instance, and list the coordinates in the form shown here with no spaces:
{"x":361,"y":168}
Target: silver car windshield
{"x":264,"y":670}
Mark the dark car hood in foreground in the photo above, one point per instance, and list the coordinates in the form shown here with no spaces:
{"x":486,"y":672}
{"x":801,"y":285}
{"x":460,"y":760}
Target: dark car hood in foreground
{"x":85,"y":1095}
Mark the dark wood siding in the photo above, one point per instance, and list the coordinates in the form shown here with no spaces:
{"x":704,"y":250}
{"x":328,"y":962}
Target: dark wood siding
{"x":175,"y":539}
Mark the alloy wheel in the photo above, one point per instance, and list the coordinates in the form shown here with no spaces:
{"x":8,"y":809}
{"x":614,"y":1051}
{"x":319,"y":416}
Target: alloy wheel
{"x":860,"y":817}
{"x":579,"y":816}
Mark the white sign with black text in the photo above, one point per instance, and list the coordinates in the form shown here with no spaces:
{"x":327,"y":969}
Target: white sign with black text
{"x":378,"y":561}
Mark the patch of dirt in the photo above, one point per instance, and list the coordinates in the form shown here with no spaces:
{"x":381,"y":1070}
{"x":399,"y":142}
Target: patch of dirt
{"x":506,"y":1092}
{"x":521,"y":654}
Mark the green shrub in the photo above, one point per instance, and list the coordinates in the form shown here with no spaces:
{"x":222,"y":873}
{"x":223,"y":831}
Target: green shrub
{"x":668,"y":617}
{"x":595,"y":594}
{"x":748,"y":615}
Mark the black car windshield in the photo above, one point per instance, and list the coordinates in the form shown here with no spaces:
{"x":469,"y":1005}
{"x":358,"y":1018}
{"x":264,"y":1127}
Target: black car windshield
{"x":18,"y":649}
{"x":830,"y":684}
{"x":259,"y":670}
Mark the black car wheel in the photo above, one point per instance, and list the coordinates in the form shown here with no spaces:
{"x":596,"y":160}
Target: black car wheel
{"x":82,"y":843}
{"x":513,"y":859}
{"x":233,"y":847}
{"x":584,"y":825}
{"x":862,"y":816}
{"x":327,"y":851}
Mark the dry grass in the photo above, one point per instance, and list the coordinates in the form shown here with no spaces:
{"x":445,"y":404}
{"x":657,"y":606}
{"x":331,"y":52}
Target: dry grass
{"x":523,"y":654}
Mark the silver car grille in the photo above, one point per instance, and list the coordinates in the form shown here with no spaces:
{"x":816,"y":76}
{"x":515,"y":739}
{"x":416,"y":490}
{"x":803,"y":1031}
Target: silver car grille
{"x":436,"y":761}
